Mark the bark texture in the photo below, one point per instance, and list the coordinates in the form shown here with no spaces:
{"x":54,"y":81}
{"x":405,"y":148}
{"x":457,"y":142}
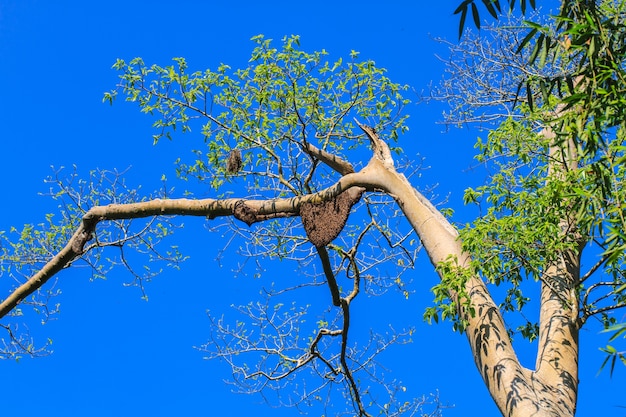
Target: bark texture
{"x":548,"y":390}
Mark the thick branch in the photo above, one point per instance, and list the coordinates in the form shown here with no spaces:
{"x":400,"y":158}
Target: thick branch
{"x":380,"y":148}
{"x":344,"y":303}
{"x":333,"y":161}
{"x":72,"y":250}
{"x":557,"y":359}
{"x":255,"y":210}
{"x":509,"y":383}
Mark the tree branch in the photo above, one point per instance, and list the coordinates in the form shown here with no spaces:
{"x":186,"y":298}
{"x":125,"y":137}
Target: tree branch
{"x":330,"y":275}
{"x":333,"y":161}
{"x":253,"y":211}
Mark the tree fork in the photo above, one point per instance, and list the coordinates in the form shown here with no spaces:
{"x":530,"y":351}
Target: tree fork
{"x":516,"y":390}
{"x":249,"y":211}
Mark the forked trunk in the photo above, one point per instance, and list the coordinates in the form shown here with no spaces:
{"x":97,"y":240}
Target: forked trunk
{"x":549,"y":390}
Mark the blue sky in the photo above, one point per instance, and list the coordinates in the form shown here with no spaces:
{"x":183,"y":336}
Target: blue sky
{"x":115,"y":354}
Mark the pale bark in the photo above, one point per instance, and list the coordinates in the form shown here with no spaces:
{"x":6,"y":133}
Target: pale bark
{"x":557,"y":357}
{"x":253,"y":211}
{"x":549,"y":390}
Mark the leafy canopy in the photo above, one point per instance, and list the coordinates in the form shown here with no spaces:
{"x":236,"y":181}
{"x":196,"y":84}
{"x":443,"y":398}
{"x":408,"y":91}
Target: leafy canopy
{"x":283,"y":101}
{"x":575,"y":84}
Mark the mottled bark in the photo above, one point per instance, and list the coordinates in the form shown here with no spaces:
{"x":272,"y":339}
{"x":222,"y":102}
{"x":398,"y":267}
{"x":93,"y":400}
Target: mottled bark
{"x":549,"y":390}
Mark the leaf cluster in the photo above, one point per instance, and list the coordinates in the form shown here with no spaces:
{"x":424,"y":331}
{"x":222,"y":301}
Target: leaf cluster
{"x":574,"y":84}
{"x":612,"y":353}
{"x":493,"y":7}
{"x":591,"y":35}
{"x":531,"y":217}
{"x":270,"y":111}
{"x":445,"y":292}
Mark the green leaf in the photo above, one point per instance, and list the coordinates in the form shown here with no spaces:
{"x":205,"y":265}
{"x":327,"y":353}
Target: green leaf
{"x":490,"y":8}
{"x":517,"y":91}
{"x":526,"y":39}
{"x":529,"y":96}
{"x":619,"y":328}
{"x":462,"y":21}
{"x":536,"y":49}
{"x":462,"y":6}
{"x":545,"y":94}
{"x":475,"y":15}
{"x":543,"y":55}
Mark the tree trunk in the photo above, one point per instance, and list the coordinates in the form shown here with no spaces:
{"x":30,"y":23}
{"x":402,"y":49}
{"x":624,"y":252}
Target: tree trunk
{"x":551,"y":389}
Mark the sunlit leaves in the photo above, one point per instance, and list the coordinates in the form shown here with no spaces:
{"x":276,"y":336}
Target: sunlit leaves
{"x":521,"y":230}
{"x":269,"y":110}
{"x":574,"y":81}
{"x":453,"y":280}
{"x":590,"y":37}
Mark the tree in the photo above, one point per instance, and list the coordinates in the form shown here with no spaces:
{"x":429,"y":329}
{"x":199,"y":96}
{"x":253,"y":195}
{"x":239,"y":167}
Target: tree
{"x":285,"y":130}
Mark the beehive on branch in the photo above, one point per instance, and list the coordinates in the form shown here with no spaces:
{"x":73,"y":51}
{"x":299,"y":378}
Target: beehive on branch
{"x":324,"y":221}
